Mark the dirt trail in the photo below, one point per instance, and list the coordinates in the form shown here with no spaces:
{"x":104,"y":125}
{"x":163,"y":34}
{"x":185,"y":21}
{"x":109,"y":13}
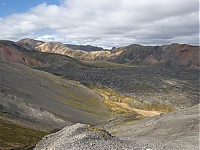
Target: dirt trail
{"x":139,"y":111}
{"x":147,"y":113}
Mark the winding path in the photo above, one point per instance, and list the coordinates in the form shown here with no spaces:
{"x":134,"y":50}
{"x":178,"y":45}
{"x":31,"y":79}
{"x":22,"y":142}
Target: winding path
{"x":139,"y":111}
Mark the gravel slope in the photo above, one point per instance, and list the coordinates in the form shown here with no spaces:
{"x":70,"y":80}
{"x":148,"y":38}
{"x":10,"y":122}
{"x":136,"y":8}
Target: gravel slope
{"x":82,"y":137}
{"x":40,"y":97}
{"x":173,"y":131}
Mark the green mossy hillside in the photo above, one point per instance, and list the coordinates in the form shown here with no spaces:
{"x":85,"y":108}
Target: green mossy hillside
{"x":17,"y":137}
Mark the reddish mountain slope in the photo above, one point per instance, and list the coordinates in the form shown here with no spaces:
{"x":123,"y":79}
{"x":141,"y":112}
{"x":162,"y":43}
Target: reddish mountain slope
{"x":174,"y":54}
{"x":12,"y":55}
{"x":186,"y":53}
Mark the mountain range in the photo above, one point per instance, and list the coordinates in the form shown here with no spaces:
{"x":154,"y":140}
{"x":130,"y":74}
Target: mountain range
{"x":173,"y":54}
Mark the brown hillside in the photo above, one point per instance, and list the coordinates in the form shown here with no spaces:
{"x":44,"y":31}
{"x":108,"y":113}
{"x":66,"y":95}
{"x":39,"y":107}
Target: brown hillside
{"x":174,"y":54}
{"x":15,"y":56}
{"x":186,"y":53}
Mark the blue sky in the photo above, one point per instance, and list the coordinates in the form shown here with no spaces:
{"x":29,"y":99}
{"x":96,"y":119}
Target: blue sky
{"x":106,"y":23}
{"x":8,"y":7}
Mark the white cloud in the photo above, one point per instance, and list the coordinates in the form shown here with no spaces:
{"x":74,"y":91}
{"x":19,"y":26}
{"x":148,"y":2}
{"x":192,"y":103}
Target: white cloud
{"x":107,"y":22}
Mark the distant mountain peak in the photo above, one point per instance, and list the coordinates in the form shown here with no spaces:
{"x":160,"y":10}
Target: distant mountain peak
{"x":84,"y":47}
{"x":29,"y":44}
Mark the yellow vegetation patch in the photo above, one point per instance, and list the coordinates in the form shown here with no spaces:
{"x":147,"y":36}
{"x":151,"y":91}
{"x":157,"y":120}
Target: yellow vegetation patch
{"x":118,"y":103}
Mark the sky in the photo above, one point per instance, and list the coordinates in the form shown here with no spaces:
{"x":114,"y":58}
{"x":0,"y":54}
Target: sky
{"x":105,"y":23}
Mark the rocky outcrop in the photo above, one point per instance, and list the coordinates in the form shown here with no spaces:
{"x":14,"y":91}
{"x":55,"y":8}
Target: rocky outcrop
{"x":82,"y":137}
{"x":174,"y":131}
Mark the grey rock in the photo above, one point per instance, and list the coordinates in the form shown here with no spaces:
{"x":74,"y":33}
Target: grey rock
{"x":173,"y":131}
{"x":84,"y":137}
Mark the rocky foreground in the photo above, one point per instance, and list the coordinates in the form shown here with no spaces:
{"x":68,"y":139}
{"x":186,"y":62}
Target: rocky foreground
{"x":177,"y":130}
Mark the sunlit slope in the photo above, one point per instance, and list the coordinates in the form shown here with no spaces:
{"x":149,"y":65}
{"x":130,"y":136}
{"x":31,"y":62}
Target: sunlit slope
{"x":41,"y":97}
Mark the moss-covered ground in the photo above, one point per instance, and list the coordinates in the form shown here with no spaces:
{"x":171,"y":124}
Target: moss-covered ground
{"x":17,"y":137}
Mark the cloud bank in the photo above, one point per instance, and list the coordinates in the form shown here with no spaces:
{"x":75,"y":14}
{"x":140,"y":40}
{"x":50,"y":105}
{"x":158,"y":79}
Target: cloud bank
{"x":107,"y":23}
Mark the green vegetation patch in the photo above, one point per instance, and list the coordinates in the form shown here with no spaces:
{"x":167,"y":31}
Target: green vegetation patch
{"x":16,"y":137}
